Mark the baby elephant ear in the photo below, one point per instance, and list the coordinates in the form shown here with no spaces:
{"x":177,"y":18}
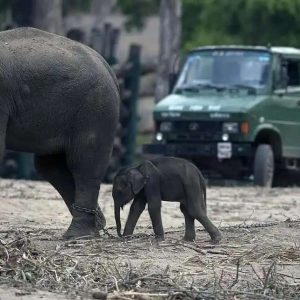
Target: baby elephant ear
{"x":137,"y":180}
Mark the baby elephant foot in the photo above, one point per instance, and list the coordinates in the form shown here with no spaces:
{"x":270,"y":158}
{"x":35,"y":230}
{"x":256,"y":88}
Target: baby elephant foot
{"x":216,"y":239}
{"x":82,"y":227}
{"x":159,"y":238}
{"x":126,"y":236}
{"x":127,"y":232}
{"x":188,"y":238}
{"x":189,"y":235}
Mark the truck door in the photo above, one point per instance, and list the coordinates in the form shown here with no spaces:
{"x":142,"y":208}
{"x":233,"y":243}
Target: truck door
{"x":284,"y":112}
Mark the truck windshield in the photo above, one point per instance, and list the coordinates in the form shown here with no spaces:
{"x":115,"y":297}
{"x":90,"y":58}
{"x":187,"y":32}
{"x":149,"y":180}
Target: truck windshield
{"x":225,"y":69}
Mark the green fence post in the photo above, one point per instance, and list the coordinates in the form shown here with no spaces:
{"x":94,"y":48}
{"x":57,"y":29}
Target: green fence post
{"x":25,"y":165}
{"x":131,"y":83}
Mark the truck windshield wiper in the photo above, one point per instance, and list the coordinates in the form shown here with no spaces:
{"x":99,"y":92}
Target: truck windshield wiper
{"x":250,"y":88}
{"x":200,"y":86}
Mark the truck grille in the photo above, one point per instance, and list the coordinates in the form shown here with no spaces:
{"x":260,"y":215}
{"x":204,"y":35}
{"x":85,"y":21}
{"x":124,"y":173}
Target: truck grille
{"x":203,"y":131}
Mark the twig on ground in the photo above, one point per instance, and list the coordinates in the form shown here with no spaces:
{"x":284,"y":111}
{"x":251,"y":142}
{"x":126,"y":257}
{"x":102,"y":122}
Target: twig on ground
{"x":270,"y":272}
{"x":236,"y":280}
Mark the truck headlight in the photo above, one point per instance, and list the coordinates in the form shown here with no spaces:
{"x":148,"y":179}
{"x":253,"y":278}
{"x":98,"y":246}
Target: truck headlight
{"x":159,"y":136}
{"x":165,"y":126}
{"x":230,"y":127}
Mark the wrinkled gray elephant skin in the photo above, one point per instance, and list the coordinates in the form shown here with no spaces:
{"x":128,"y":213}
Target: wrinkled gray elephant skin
{"x":168,"y":179}
{"x":59,"y":99}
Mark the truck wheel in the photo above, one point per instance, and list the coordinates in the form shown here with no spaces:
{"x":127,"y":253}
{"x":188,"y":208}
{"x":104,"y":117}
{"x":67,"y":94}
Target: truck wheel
{"x":264,"y":166}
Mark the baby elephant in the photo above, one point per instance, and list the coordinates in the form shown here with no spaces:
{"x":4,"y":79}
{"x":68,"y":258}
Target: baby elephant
{"x":168,"y":179}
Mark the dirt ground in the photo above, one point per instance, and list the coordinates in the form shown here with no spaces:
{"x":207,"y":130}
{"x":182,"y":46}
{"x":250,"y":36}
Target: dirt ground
{"x":250,"y":263}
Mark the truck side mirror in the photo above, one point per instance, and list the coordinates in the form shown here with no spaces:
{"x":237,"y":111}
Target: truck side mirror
{"x":172,"y":81}
{"x":284,"y":77}
{"x":176,"y":65}
{"x":281,"y":78}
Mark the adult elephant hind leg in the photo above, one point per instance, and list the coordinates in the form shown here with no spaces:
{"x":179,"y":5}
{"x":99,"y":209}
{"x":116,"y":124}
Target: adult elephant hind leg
{"x":54,"y":169}
{"x":190,"y":233}
{"x":3,"y":127}
{"x":87,"y":160}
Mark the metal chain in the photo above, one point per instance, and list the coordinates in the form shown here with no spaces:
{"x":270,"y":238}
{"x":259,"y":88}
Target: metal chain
{"x":247,"y":226}
{"x":84,"y":209}
{"x":255,"y":225}
{"x":236,"y":226}
{"x":109,"y":235}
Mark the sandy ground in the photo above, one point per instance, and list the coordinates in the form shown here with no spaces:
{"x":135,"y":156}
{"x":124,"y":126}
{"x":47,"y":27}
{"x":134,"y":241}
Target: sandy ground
{"x":35,"y":210}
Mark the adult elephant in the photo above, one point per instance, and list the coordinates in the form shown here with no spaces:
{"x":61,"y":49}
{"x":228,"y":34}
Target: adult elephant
{"x":59,"y":99}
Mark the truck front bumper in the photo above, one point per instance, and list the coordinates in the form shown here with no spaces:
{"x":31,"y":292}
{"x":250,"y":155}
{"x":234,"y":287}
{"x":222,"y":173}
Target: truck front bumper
{"x":218,"y":150}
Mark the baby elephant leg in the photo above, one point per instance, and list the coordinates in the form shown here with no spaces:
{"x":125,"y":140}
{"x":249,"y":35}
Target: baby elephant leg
{"x":212,"y":230}
{"x":155,"y":216}
{"x":190,"y":233}
{"x":136,"y":209}
{"x":197,"y":209}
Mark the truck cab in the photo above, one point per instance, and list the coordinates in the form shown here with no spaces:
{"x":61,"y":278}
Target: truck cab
{"x":234,"y":111}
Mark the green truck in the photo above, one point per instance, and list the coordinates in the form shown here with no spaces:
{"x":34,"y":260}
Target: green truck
{"x":234,"y":111}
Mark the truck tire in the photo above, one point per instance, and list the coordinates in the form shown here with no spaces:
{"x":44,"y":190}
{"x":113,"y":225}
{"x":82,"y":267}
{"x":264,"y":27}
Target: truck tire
{"x":263,"y":166}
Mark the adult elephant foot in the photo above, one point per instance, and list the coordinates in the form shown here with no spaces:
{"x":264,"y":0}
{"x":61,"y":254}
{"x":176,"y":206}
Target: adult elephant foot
{"x":83,"y":225}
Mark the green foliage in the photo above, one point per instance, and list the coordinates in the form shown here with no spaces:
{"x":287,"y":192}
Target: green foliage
{"x":255,"y":22}
{"x":252,"y":22}
{"x":4,"y":5}
{"x":75,"y":5}
{"x":68,"y":5}
{"x":137,"y":11}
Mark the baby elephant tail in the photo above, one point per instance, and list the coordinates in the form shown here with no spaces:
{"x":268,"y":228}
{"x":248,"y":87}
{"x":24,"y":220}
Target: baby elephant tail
{"x":203,"y":186}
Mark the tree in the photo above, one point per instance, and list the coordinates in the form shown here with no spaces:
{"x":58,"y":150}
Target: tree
{"x":102,"y":8}
{"x":256,"y":22}
{"x":75,"y":5}
{"x":47,"y":15}
{"x":42,"y":14}
{"x":169,"y":44}
{"x":138,"y":11}
{"x":21,"y":12}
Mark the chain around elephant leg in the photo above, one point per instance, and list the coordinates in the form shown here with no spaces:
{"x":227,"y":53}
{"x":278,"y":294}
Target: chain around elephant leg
{"x":100,"y":219}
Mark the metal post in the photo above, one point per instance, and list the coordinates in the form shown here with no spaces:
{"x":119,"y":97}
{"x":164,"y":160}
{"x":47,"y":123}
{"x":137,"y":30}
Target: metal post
{"x":131,"y":83}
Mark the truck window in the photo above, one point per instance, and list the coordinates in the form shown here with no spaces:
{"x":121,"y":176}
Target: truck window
{"x":226,"y":68}
{"x":293,"y":72}
{"x":200,"y":70}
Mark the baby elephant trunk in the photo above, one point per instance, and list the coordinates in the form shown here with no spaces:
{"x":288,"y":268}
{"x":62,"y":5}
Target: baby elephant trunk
{"x":117,"y":218}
